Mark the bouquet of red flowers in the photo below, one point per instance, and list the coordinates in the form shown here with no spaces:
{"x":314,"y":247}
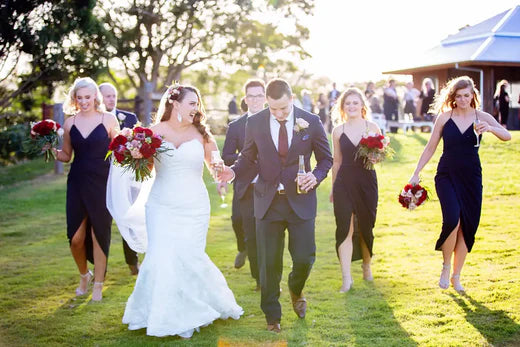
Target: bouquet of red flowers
{"x":373,"y":149}
{"x":413,"y":196}
{"x":44,"y":136}
{"x":133,"y":148}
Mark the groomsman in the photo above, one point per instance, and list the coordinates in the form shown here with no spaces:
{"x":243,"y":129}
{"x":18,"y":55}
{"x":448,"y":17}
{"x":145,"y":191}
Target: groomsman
{"x":275,"y":138}
{"x":242,"y":216}
{"x":126,"y":120}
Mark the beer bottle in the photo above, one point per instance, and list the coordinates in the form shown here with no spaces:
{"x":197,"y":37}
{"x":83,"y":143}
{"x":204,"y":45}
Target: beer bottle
{"x":301,"y":174}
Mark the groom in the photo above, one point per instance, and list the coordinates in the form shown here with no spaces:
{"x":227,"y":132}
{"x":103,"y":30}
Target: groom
{"x":275,"y":137}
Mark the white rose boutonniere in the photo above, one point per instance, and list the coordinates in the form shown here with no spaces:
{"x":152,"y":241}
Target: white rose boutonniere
{"x":121,"y":116}
{"x":301,"y":124}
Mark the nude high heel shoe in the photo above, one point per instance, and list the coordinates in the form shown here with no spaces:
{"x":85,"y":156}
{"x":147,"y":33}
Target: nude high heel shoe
{"x":97,"y":291}
{"x":444,"y":282}
{"x":85,"y":278}
{"x":455,"y":282}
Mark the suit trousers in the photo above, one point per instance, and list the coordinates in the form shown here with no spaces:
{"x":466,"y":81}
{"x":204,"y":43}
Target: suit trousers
{"x":246,"y":204}
{"x":270,"y":238}
{"x":236,"y":223}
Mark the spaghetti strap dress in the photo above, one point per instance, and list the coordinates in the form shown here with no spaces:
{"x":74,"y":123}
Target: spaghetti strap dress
{"x":86,"y":187}
{"x":458,"y":183}
{"x":354,"y":192}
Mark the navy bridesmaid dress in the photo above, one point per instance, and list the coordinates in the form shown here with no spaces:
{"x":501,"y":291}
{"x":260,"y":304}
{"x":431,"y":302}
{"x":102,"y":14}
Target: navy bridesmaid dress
{"x":354,"y":191}
{"x":458,"y":183}
{"x":86,"y":187}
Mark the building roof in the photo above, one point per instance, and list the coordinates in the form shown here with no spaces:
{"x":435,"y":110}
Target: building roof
{"x":495,"y":41}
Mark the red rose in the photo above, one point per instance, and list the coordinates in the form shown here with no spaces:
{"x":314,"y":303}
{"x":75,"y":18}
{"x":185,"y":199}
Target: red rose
{"x":146,"y":150}
{"x":156,"y":142}
{"x":119,"y":157}
{"x":118,"y":140}
{"x":146,"y":131}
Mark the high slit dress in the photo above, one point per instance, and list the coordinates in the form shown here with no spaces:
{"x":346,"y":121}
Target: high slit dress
{"x":458,"y":183}
{"x":86,"y":188}
{"x":354,"y":191}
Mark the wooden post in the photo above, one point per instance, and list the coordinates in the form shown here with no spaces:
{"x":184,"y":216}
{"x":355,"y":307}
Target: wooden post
{"x":60,"y":118}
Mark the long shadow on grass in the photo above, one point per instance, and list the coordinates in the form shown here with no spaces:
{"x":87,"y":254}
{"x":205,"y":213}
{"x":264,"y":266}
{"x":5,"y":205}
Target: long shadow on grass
{"x":371,"y":318}
{"x":494,"y":325}
{"x":419,"y":139}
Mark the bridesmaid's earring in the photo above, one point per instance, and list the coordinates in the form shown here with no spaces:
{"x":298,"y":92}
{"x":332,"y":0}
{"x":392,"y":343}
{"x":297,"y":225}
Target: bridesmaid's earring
{"x":179,"y":117}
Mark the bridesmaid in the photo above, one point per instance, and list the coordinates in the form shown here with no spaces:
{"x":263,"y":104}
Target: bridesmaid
{"x":354,"y":191}
{"x":87,"y":133}
{"x":458,"y":181}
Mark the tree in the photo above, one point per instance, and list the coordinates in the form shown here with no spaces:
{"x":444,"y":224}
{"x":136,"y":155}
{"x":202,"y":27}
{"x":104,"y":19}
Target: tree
{"x":178,"y":34}
{"x":61,"y":40}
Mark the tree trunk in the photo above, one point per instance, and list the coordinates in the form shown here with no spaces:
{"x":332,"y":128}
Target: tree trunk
{"x":144,"y":102}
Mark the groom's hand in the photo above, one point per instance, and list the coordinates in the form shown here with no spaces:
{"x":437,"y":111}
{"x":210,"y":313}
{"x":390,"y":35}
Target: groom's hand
{"x":308,"y":182}
{"x":226,"y":175}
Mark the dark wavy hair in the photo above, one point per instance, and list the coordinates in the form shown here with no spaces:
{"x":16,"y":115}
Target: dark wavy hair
{"x":178,"y":93}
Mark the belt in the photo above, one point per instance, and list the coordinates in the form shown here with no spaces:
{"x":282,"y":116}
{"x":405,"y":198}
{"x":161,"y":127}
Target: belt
{"x":281,"y":191}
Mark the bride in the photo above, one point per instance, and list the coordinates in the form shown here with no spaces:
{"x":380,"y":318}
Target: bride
{"x":179,"y":289}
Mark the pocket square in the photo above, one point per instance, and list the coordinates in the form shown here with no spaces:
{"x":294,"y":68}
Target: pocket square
{"x":305,"y":137}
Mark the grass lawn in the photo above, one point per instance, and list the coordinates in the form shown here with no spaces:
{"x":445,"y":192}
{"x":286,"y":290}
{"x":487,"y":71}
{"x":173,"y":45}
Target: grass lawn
{"x":402,"y":307}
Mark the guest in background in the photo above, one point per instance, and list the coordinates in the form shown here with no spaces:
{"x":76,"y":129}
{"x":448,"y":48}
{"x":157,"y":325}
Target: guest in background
{"x":88,"y":133}
{"x":307,"y":101}
{"x":503,"y":102}
{"x":333,"y":96}
{"x":126,"y":120}
{"x":458,"y":181}
{"x":426,"y":99}
{"x":322,"y":104}
{"x":391,"y":103}
{"x":410,"y":95}
{"x":232,"y":106}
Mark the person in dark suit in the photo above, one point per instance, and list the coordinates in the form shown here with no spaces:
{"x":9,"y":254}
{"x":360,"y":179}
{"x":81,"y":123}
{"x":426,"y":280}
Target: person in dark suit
{"x":242,"y":216}
{"x":275,"y":138}
{"x":126,"y":120}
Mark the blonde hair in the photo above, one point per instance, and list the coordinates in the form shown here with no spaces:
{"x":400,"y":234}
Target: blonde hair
{"x":339,"y":114}
{"x":445,"y":100}
{"x":500,"y":85}
{"x":71,"y":107}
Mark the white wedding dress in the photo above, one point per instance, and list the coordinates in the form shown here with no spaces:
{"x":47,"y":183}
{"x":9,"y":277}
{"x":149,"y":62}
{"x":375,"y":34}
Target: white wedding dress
{"x":178,"y":289}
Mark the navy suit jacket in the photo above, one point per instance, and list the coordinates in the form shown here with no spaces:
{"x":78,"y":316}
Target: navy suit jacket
{"x":235,"y":137}
{"x":259,"y":148}
{"x":129,"y":121}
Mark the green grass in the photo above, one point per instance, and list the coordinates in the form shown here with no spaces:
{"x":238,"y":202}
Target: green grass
{"x":402,"y":307}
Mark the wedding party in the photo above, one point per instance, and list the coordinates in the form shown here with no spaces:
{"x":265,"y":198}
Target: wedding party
{"x":314,"y":208}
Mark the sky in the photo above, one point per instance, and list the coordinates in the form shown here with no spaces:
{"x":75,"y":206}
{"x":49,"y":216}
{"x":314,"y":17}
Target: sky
{"x":354,"y":41}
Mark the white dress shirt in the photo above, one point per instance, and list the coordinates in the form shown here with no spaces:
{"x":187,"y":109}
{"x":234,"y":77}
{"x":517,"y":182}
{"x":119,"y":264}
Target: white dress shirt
{"x":275,"y":130}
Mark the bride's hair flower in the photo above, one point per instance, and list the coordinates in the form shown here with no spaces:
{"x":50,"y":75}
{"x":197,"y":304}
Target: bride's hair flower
{"x":173,"y":92}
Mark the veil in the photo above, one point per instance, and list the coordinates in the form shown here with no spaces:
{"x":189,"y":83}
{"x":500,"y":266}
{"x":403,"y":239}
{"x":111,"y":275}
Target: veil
{"x":126,"y":201}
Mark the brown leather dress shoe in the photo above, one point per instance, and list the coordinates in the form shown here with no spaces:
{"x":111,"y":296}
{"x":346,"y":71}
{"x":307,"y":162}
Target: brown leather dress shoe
{"x":299,"y":304}
{"x":134,"y":269}
{"x":275,"y":327}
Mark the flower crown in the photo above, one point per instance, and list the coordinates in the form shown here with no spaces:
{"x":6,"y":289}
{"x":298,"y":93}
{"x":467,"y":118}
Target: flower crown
{"x":174,"y":92}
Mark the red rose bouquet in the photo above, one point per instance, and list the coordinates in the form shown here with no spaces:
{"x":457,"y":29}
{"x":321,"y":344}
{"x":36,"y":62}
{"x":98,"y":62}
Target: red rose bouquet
{"x":373,"y":149}
{"x":44,"y":136}
{"x":413,"y":196}
{"x":133,"y":148}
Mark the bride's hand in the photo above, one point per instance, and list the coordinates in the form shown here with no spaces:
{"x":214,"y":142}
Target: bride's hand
{"x":226,"y":174}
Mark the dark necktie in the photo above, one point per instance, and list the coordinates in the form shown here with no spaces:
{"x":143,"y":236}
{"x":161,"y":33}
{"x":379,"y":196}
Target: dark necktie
{"x":283,"y":142}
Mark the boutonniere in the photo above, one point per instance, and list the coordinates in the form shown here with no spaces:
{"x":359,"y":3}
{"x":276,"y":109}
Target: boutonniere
{"x":121,"y":116}
{"x":300,"y":126}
